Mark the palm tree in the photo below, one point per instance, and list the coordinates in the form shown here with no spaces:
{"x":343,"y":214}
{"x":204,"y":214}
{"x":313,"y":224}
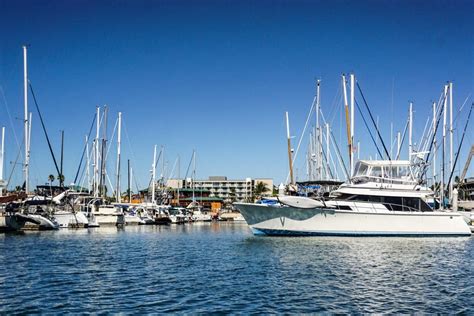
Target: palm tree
{"x":61,"y":179}
{"x":51,"y":179}
{"x":259,"y":189}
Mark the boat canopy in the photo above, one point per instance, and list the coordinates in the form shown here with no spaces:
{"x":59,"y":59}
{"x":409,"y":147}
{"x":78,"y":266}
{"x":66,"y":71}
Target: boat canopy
{"x":395,"y":170}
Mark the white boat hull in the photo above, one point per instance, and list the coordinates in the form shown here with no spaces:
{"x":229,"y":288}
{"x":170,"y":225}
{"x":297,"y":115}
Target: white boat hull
{"x":282,"y":220}
{"x":133,"y":220}
{"x":44,"y":223}
{"x":71,"y":220}
{"x":102,"y":219}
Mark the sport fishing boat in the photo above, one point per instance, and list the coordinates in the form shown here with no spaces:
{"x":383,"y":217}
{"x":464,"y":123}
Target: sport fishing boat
{"x":382,"y":199}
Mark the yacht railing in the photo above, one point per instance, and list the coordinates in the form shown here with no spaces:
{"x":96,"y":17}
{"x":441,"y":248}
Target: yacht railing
{"x":365,"y":179}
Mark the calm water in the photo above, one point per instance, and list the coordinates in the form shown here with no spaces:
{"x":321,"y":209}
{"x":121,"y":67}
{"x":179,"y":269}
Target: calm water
{"x":223,"y":268}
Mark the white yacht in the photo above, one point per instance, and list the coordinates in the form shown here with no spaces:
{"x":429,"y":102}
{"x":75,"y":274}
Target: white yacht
{"x":107,"y":215}
{"x":178,"y":215}
{"x":382,"y":199}
{"x":142,"y":212}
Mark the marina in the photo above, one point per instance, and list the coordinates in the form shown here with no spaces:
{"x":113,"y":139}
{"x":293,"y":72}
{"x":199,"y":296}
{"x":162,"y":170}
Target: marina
{"x":243,"y":157}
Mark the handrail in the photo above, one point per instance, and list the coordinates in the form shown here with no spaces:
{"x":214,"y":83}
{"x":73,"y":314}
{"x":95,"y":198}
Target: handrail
{"x":384,"y":180}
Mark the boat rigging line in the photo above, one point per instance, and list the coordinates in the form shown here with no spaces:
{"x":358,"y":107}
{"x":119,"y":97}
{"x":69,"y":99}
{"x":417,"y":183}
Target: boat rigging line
{"x":373,"y":122}
{"x":403,"y":139}
{"x":460,"y":144}
{"x":84,"y":150}
{"x":423,"y":172}
{"x":44,"y":129}
{"x":368,"y":129}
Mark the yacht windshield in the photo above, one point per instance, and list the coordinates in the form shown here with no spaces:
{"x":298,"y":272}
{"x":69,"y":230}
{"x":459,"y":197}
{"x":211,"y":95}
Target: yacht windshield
{"x":361,"y":169}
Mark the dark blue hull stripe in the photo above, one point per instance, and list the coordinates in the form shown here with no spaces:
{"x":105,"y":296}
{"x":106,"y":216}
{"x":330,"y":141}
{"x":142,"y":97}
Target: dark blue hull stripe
{"x":278,"y":232}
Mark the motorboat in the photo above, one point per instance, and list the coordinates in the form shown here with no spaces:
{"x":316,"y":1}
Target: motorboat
{"x":383,"y":198}
{"x":178,"y":215}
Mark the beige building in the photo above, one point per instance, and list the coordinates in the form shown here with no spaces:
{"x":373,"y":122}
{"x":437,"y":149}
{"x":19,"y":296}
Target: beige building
{"x":228,"y":190}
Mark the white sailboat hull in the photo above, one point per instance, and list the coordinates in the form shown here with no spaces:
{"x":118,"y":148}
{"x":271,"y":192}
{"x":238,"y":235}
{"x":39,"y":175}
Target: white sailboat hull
{"x":44,"y":223}
{"x":70,"y":220}
{"x":284,"y":220}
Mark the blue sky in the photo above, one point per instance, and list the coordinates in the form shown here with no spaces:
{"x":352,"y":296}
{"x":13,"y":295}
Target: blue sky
{"x":217,"y":76}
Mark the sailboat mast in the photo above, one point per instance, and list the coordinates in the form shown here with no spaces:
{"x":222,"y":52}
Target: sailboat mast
{"x":61,"y":177}
{"x":444,"y":146}
{"x":30,"y":120}
{"x":346,"y":110}
{"x":179,"y":182}
{"x":88,"y":172}
{"x":153,"y":176}
{"x":328,"y":156}
{"x":434,"y":147}
{"x":25,"y":88}
{"x":103,"y":184}
{"x":194,"y":173}
{"x":119,"y":138}
{"x":398,"y":143}
{"x":352,"y":121}
{"x":96,"y":155}
{"x":319,"y":132}
{"x":128,"y":182}
{"x":162,"y":176}
{"x":131,"y":184}
{"x":2,"y":155}
{"x":451,"y":154}
{"x":290,"y":160}
{"x":410,"y":131}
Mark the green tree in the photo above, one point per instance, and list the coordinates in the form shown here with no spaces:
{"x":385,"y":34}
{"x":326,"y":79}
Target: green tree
{"x":259,"y":189}
{"x":61,"y":179}
{"x":51,"y":179}
{"x":232,"y":195}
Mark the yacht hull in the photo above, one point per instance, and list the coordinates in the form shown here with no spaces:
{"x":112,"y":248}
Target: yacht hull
{"x":284,"y":221}
{"x":71,"y":220}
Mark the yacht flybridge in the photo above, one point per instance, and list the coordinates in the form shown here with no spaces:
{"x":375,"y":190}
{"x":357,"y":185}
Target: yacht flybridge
{"x":383,"y":198}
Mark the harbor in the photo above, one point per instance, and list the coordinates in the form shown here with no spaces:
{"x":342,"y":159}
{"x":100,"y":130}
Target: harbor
{"x":245,"y":157}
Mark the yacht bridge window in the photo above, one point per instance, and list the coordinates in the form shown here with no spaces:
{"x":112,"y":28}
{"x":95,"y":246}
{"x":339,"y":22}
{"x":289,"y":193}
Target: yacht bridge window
{"x":398,"y":171}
